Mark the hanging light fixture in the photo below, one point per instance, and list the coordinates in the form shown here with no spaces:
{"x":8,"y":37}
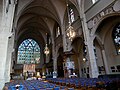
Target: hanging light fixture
{"x":46,"y":50}
{"x":70,"y":30}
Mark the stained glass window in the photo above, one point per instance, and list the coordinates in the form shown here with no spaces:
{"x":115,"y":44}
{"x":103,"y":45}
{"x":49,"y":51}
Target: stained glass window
{"x":28,"y":52}
{"x":116,"y":38}
{"x":72,"y":16}
{"x":57,"y":31}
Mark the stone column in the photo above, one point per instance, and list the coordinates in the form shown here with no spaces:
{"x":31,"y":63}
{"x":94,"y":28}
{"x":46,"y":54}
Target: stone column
{"x":90,"y":49}
{"x":3,"y":55}
{"x":88,"y":41}
{"x":9,"y":58}
{"x":5,"y":32}
{"x":55,"y":67}
{"x":105,"y":61}
{"x":65,"y":43}
{"x":92,"y":61}
{"x":54,"y":57}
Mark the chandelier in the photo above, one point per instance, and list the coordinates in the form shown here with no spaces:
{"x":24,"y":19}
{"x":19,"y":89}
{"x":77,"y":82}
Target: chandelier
{"x":70,"y":30}
{"x":46,"y":50}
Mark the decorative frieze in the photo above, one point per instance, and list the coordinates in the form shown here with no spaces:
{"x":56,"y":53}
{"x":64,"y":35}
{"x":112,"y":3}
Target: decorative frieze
{"x":116,"y":6}
{"x":106,"y":11}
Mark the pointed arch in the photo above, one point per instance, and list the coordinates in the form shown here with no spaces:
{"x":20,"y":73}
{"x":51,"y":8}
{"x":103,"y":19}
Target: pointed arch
{"x":116,"y":37}
{"x":28,"y":52}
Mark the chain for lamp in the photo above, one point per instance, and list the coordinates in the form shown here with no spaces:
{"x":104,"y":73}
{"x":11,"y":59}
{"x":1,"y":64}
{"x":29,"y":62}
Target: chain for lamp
{"x":70,"y":30}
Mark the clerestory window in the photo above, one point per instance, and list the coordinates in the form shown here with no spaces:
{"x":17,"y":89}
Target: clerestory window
{"x":57,"y":31}
{"x":72,"y":16}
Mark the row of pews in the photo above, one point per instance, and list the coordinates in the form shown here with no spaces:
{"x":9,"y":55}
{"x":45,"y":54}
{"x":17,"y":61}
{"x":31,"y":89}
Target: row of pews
{"x":65,"y":84}
{"x":88,"y":83}
{"x":34,"y":85}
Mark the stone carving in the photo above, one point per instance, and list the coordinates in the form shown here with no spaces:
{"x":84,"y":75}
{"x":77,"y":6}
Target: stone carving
{"x":95,"y":20}
{"x":116,"y":6}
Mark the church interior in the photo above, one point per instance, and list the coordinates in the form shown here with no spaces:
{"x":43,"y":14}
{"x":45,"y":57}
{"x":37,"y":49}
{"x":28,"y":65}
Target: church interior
{"x":60,"y":44}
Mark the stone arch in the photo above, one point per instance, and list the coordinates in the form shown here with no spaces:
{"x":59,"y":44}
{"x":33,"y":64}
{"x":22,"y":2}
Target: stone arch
{"x":33,"y":48}
{"x":19,"y":12}
{"x":76,"y":24}
{"x":77,"y":54}
{"x":76,"y":43}
{"x":65,"y":19}
{"x":56,"y":25}
{"x":104,"y":38}
{"x":56,"y":7}
{"x":99,"y":41}
{"x":101,"y":20}
{"x":98,"y":50}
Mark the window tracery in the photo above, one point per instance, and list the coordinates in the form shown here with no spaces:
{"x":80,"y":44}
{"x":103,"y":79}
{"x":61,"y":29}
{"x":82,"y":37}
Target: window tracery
{"x":116,"y":38}
{"x":57,"y":31}
{"x":28,"y":52}
{"x":72,"y":16}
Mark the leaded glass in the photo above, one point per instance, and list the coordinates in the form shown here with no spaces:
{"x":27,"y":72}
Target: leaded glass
{"x":116,"y":38}
{"x":28,"y":52}
{"x":72,"y":17}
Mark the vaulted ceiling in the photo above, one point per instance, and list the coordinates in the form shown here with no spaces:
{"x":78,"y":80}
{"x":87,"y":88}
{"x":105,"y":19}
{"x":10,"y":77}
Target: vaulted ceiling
{"x":35,"y":18}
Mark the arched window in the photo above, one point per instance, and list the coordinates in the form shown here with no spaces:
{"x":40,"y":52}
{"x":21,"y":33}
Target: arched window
{"x":28,"y":52}
{"x":72,"y":16}
{"x":116,"y":37}
{"x":57,"y":31}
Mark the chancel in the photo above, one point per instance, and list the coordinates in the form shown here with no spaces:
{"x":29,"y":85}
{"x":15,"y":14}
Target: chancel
{"x":59,"y":44}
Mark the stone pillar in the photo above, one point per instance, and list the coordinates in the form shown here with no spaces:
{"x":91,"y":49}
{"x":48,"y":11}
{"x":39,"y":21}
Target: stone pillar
{"x":90,"y":51}
{"x":88,"y":41}
{"x":54,"y":57}
{"x":105,"y":61}
{"x":93,"y":65}
{"x":65,"y":43}
{"x":9,"y":58}
{"x":55,"y":67}
{"x":5,"y":32}
{"x":3,"y":55}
